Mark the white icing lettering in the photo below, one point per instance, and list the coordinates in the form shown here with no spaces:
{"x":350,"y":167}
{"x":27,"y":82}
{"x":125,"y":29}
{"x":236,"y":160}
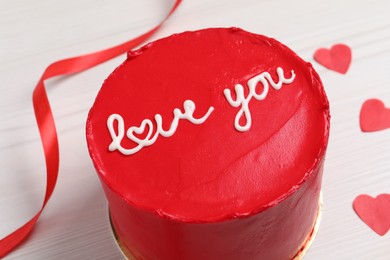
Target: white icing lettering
{"x":150,"y":138}
{"x":265,"y":79}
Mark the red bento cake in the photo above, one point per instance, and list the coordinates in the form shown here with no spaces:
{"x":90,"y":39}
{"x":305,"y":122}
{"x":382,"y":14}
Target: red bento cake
{"x":210,"y":145}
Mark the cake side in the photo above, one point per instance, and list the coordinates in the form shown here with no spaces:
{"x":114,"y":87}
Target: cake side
{"x":277,"y":233}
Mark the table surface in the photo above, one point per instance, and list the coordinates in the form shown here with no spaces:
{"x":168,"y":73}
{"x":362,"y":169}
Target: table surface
{"x":75,"y":224}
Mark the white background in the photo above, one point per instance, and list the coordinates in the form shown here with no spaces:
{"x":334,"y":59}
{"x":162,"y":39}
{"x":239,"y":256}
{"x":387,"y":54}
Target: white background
{"x":75,"y":223}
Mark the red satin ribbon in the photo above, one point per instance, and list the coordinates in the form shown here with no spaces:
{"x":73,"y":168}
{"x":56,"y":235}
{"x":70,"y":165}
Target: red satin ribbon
{"x":46,"y":123}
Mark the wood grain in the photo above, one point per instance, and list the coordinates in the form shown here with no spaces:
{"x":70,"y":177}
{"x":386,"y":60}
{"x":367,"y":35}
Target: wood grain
{"x":75,"y":225}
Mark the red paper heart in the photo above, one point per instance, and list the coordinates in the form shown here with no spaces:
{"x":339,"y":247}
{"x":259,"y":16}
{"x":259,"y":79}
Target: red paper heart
{"x":374,"y":116}
{"x":375,"y":212}
{"x":338,"y":58}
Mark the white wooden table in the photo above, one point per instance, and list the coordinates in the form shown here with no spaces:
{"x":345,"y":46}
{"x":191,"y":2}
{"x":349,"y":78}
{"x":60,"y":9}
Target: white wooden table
{"x":75,"y":224}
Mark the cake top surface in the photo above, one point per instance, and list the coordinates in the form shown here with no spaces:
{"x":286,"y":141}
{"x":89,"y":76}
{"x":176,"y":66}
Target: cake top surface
{"x":208,"y":125}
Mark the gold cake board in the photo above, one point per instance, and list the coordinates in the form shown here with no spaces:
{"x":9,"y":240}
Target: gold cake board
{"x":300,"y":254}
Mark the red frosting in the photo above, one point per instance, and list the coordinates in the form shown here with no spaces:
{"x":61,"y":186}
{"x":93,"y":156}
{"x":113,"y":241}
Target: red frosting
{"x":210,"y":191}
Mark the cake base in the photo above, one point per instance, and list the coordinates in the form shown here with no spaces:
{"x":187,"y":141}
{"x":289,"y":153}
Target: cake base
{"x":300,"y":254}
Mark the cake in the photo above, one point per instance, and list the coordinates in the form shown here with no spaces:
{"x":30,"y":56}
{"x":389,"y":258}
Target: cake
{"x":210,"y":145}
